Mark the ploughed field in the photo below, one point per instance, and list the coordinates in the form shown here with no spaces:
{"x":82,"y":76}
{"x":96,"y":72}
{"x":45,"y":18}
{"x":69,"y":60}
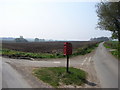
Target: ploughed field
{"x":45,"y":47}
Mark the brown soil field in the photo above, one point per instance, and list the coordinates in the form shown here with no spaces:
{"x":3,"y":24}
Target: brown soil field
{"x":44,"y":47}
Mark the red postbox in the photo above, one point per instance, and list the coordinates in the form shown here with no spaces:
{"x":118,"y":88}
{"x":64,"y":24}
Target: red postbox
{"x":67,"y":48}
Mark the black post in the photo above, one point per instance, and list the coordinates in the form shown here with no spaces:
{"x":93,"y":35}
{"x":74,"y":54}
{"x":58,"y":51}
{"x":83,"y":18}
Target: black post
{"x":67,"y":64}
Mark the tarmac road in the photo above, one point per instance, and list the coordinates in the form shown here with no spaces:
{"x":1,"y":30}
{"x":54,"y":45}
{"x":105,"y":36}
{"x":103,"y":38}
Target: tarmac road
{"x":11,"y":78}
{"x":76,"y":61}
{"x":107,"y":67}
{"x":105,"y":64}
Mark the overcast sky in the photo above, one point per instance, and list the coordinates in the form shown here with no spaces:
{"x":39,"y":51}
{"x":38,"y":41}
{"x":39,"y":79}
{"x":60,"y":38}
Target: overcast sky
{"x":49,"y":20}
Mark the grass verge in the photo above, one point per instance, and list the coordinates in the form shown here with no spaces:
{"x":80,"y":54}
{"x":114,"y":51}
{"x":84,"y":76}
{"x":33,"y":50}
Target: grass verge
{"x":57,"y":76}
{"x":113,"y":45}
{"x":85,"y":50}
{"x":13,"y":53}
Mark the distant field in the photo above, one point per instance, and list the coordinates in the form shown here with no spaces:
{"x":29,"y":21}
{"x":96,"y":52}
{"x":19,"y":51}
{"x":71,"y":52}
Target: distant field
{"x":46,"y":49}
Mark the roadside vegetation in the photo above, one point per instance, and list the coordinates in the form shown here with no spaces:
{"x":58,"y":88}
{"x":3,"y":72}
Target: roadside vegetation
{"x":57,"y":76}
{"x":1,"y":52}
{"x":113,"y":45}
{"x":20,"y":54}
{"x":85,"y":50}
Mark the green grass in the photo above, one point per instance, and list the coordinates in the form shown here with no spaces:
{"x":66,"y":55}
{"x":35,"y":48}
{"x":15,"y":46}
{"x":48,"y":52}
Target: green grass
{"x":13,"y":53}
{"x":106,"y":45}
{"x":113,"y":45}
{"x":85,"y":50}
{"x":55,"y":76}
{"x":115,"y":53}
{"x":0,"y":51}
